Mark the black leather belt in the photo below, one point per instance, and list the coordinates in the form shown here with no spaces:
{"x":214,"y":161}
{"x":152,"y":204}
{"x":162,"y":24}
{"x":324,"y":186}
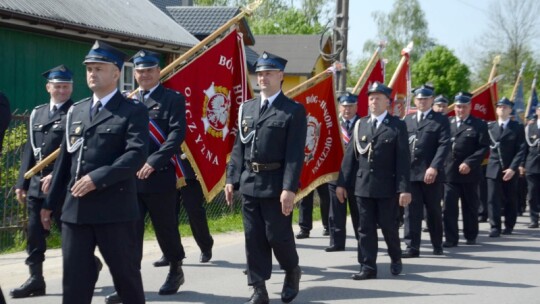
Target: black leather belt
{"x":256,"y":167}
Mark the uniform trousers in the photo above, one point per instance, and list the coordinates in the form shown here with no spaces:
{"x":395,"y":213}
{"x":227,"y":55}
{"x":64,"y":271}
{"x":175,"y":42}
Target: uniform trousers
{"x":533,"y":184}
{"x":117,"y":242}
{"x":161,"y":207}
{"x":305,"y":208}
{"x":482,"y":194}
{"x":468,"y":194}
{"x":337,"y":217}
{"x":428,"y":196}
{"x":502,"y":195}
{"x":385,"y":213}
{"x":36,"y":243}
{"x":267,"y":230}
{"x":193,"y":201}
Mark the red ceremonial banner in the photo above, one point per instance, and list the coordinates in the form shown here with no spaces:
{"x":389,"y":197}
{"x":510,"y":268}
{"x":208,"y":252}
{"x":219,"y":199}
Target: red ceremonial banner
{"x":482,"y":103}
{"x":214,"y":84}
{"x":401,"y":89}
{"x":324,"y":149}
{"x":377,"y":74}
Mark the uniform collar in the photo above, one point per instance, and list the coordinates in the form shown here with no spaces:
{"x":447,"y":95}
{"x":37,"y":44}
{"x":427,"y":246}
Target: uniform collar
{"x":103,"y":100}
{"x":271,"y":98}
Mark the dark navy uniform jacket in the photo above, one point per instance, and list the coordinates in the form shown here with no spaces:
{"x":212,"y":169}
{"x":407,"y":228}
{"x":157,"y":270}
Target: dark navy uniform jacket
{"x":511,"y":148}
{"x":280,"y":138}
{"x":48,"y":133}
{"x":115,"y":147}
{"x":429,"y":142}
{"x":385,"y":171}
{"x":167,"y":109}
{"x":532,"y":162}
{"x":470,"y":143}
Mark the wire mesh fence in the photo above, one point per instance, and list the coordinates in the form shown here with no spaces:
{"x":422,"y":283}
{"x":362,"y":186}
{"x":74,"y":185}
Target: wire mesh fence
{"x":13,"y":216}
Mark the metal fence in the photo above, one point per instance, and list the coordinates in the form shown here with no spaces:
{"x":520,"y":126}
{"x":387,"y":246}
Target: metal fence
{"x":13,"y":216}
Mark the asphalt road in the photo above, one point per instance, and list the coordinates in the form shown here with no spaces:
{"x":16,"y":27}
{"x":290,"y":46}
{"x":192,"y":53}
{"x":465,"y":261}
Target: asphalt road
{"x":500,"y":270}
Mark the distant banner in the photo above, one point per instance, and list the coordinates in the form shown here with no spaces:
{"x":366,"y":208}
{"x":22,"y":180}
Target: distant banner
{"x":377,"y":74}
{"x":324,"y":149}
{"x":214,"y":84}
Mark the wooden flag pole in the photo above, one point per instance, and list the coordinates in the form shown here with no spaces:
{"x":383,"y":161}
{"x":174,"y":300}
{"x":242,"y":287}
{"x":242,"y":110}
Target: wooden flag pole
{"x":404,"y":54}
{"x":533,"y":86}
{"x":520,"y":76}
{"x":248,"y":10}
{"x":308,"y":83}
{"x":363,"y":78}
{"x":496,"y":61}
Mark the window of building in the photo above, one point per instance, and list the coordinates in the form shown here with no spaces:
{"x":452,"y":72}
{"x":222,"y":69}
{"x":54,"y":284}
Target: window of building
{"x":127,"y":79}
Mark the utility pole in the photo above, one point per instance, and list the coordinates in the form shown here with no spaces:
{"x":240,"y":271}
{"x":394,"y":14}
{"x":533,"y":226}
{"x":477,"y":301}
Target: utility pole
{"x":341,"y":29}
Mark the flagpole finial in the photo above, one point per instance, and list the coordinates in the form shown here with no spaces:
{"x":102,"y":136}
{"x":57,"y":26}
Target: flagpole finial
{"x":496,"y":59}
{"x":250,"y":8}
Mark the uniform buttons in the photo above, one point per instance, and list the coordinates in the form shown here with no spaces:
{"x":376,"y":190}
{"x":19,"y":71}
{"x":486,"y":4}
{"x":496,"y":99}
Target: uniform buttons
{"x":109,"y":130}
{"x":85,"y":148}
{"x":46,"y":132}
{"x":43,"y":144}
{"x":416,"y":158}
{"x":83,"y":162}
{"x":416,"y":148}
{"x":87,"y":133}
{"x":370,"y":170}
{"x":257,"y":138}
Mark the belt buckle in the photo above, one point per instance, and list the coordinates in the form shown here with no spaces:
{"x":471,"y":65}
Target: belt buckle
{"x":255,"y":167}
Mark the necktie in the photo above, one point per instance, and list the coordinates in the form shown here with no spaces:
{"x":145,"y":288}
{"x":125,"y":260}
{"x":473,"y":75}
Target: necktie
{"x":347,"y":124}
{"x":264,"y":107}
{"x":374,"y":126}
{"x":52,"y":111}
{"x":501,"y":130}
{"x":421,"y":117}
{"x":95,"y":110}
{"x":345,"y":132}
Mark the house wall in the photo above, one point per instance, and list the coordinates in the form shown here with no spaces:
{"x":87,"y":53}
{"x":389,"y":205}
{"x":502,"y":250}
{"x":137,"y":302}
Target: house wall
{"x":25,"y":56}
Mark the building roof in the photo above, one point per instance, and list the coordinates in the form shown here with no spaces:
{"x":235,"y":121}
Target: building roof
{"x":202,"y":21}
{"x":132,"y":21}
{"x":301,"y":51}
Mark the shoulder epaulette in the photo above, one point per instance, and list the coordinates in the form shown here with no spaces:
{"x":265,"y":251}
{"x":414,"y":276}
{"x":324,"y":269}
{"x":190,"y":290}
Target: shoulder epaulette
{"x":82,"y":100}
{"x":40,"y":106}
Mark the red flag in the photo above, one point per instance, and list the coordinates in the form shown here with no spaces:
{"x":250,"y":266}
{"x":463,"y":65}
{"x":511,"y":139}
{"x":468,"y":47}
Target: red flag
{"x":324,"y":149}
{"x":482,"y":102}
{"x":376,"y":74}
{"x":401,"y":84}
{"x":214,"y":84}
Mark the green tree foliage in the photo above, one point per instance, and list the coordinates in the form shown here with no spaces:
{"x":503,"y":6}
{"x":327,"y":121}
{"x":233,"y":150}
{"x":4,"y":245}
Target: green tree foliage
{"x":404,"y":23}
{"x":512,"y":32}
{"x":291,"y":21}
{"x":443,"y":69}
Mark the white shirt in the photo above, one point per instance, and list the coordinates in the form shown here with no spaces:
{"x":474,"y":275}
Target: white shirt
{"x":270,"y":99}
{"x":423,"y":113}
{"x":379,"y":118}
{"x":503,"y":122}
{"x":103,"y":100}
{"x":57,"y":105}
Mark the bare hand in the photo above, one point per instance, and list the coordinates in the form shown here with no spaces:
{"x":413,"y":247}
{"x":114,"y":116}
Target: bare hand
{"x":82,"y":186}
{"x":404,"y":199}
{"x":46,"y":218}
{"x":522,"y":171}
{"x":431,"y":174}
{"x":145,"y":171}
{"x":508,"y":174}
{"x":287,"y":202}
{"x":464,"y":169}
{"x":229,"y":191}
{"x":20,"y":194}
{"x":46,"y":183}
{"x":341,"y":194}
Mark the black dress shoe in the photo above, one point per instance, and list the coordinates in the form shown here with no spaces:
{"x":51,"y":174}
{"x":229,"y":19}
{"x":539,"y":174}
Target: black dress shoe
{"x":396,"y":267}
{"x":302,"y":234}
{"x":482,"y":219}
{"x":33,"y":287}
{"x":113,"y":298}
{"x":438,"y":251}
{"x":410,"y":253}
{"x":326,"y":232}
{"x":507,"y":231}
{"x":448,"y":244}
{"x":259,"y":296}
{"x":206,"y":256}
{"x":334,"y":249}
{"x":162,"y":262}
{"x":470,"y":242}
{"x":494,"y":233}
{"x":364,"y":275}
{"x":533,"y":225}
{"x":174,"y":280}
{"x":291,"y":285}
